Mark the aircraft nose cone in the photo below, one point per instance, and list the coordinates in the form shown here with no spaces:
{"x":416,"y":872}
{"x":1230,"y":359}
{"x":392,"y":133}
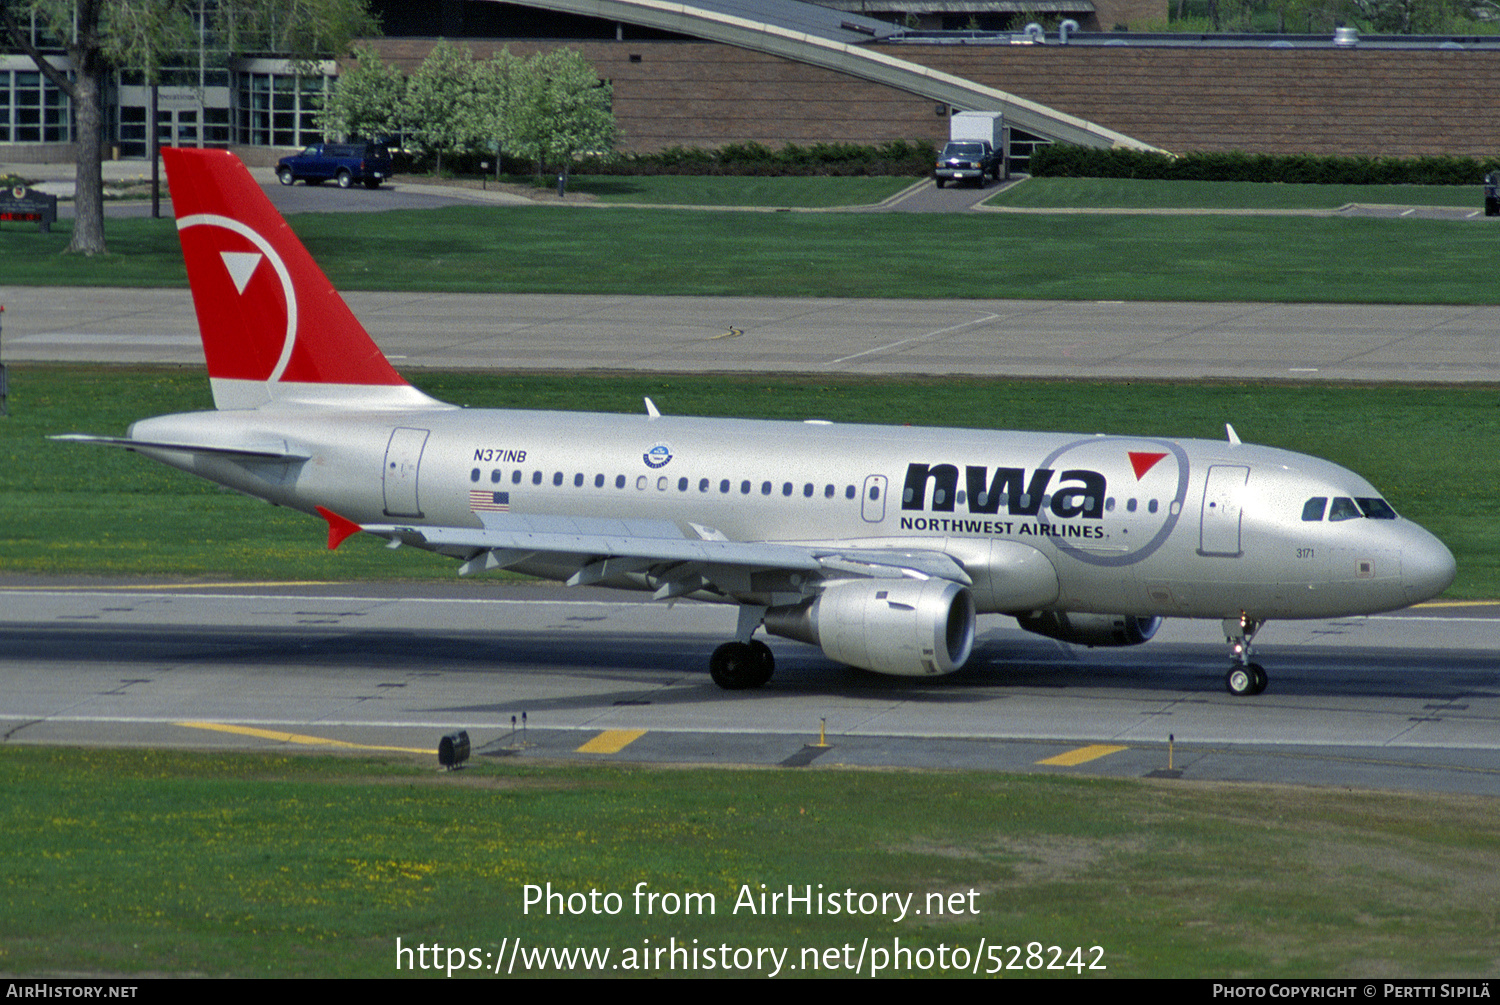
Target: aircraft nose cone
{"x":1427,"y":569}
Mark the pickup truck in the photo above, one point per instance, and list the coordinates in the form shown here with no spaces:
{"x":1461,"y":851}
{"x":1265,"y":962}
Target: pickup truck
{"x":345,"y":163}
{"x":966,"y":160}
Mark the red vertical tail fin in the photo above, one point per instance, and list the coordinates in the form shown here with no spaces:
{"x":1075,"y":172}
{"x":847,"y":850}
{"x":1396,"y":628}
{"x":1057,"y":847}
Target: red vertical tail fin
{"x":274,"y":329}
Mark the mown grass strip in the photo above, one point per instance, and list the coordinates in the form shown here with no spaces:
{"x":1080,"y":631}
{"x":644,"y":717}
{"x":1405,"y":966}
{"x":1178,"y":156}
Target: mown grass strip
{"x":680,"y":252}
{"x":154,"y":862}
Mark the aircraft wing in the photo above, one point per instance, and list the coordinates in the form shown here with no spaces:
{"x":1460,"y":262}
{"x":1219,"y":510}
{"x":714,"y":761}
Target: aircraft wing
{"x":680,"y":559}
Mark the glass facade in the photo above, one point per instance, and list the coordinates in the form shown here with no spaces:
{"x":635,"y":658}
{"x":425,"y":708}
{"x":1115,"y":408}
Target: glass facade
{"x":33,"y":110}
{"x":278,"y":109}
{"x":257,"y":104}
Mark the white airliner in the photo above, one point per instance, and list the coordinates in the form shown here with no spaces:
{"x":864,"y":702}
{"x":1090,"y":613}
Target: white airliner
{"x":878,"y":544}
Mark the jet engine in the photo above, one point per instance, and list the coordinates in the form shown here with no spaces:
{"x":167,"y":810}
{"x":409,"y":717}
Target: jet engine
{"x":906,"y":627}
{"x":1091,"y":629}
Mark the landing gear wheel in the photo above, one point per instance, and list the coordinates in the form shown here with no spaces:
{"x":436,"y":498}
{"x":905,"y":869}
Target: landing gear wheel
{"x":739,"y":666}
{"x":1246,"y":679}
{"x":285,"y":176}
{"x":765,"y":661}
{"x":1240,"y":681}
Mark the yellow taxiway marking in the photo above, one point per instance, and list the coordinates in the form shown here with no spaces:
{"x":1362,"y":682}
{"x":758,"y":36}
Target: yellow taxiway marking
{"x":611,"y":741}
{"x":1083,"y":755}
{"x":1459,"y":603}
{"x":731,"y":333}
{"x":312,"y":741}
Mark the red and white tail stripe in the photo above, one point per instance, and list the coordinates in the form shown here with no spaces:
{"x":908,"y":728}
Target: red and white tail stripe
{"x":274,"y":329}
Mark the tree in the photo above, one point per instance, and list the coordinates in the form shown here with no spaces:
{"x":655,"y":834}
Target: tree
{"x":499,"y":86}
{"x":368,"y":98}
{"x":563,"y":111}
{"x":141,"y":34}
{"x":442,"y":103}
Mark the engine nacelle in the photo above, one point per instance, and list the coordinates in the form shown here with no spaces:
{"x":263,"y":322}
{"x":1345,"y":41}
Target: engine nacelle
{"x":1091,"y":629}
{"x":906,"y":627}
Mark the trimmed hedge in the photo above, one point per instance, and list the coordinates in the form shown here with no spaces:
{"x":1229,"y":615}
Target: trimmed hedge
{"x":1059,"y":160}
{"x":899,"y":159}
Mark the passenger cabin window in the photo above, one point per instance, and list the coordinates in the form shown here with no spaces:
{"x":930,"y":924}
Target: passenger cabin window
{"x":1312,"y":510}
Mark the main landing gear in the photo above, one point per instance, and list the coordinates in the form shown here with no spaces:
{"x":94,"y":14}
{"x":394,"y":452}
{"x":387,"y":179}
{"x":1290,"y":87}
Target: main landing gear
{"x":745,"y":662}
{"x":1244,"y":678}
{"x":738,"y":666}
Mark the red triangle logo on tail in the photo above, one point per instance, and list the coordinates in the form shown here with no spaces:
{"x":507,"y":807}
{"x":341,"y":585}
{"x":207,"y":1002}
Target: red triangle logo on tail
{"x":1142,"y":462}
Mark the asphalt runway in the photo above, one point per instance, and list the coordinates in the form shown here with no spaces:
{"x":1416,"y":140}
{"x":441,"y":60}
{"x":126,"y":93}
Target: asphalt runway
{"x":1403,"y":701}
{"x":1409,"y":700}
{"x":1068,"y":339}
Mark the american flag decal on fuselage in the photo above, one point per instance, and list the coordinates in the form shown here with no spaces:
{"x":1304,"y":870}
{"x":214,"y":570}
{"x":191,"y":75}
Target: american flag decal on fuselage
{"x":489,"y":502}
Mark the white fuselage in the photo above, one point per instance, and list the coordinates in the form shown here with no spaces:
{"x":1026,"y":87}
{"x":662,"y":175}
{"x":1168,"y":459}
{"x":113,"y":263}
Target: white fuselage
{"x":1186,"y":528}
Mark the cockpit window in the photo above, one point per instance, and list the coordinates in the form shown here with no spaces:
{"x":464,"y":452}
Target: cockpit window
{"x":1343,"y":508}
{"x":1312,"y":510}
{"x":1376,"y":509}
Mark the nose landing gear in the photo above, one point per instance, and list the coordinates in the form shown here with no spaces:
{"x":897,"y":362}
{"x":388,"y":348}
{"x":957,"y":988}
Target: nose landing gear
{"x":1244,"y":678}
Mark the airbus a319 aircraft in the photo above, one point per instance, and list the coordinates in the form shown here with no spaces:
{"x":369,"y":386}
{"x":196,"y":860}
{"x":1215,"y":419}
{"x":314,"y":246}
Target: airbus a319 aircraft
{"x":878,"y":544}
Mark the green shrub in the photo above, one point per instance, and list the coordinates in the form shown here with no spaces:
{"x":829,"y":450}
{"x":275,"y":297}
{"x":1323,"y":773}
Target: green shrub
{"x":1059,"y":160}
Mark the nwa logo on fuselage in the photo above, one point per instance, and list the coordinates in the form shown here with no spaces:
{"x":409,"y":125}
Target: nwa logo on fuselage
{"x":1078,"y":492}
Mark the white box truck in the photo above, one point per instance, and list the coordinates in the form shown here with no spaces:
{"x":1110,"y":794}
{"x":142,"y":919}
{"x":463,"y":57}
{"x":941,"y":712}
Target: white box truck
{"x":958,"y":161}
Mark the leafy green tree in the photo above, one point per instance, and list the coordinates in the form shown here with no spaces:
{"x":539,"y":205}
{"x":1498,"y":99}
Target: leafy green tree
{"x":563,"y":110}
{"x":140,"y":34}
{"x":500,"y":84}
{"x":443,"y":112}
{"x":368,"y":98}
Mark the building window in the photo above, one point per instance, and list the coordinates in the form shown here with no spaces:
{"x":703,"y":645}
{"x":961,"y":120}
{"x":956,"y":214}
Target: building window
{"x":33,"y":110}
{"x":278,"y":109}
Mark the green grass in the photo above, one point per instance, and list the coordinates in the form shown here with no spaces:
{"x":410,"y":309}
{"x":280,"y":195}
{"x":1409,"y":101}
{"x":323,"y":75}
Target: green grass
{"x":703,"y":252}
{"x":150,"y":862}
{"x":699,"y":190}
{"x":1130,"y":193}
{"x":72,"y":509}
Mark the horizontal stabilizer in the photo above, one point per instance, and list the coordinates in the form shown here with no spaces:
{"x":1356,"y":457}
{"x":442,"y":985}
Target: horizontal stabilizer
{"x":260,"y":453}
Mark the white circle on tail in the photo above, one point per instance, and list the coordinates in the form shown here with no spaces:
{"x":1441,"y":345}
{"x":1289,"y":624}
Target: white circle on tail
{"x":282,"y":273}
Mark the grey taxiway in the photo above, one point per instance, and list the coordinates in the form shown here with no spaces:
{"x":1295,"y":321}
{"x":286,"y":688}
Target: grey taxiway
{"x":1406,"y":700}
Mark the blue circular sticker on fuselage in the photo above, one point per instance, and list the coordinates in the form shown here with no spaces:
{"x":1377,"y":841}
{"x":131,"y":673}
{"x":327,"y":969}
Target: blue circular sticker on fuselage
{"x":657,"y":456}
